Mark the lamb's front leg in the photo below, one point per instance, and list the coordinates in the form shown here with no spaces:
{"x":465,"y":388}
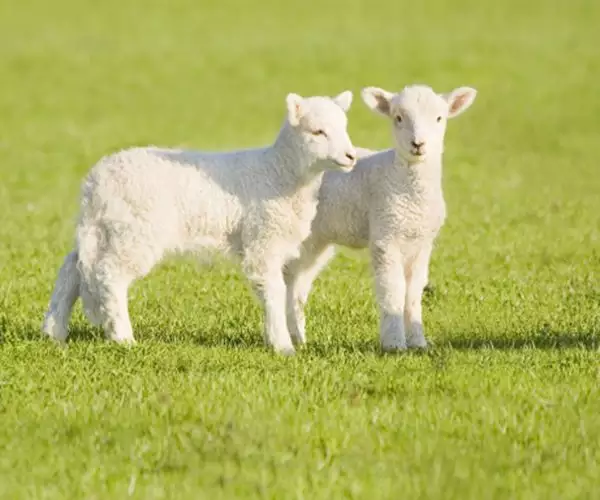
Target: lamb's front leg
{"x":268,"y":283}
{"x":297,"y":295}
{"x":416,"y":277}
{"x":390,"y":286}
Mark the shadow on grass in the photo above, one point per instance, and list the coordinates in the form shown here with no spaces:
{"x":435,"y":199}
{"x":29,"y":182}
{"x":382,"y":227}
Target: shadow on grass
{"x":543,"y":340}
{"x":85,"y":333}
{"x":82,"y":332}
{"x":246,"y":340}
{"x":20,"y":333}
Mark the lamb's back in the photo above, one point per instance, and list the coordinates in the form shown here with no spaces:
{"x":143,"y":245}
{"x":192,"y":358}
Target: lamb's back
{"x":199,"y":195}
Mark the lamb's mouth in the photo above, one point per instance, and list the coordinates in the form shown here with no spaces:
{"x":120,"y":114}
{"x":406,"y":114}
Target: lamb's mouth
{"x":416,"y":156}
{"x":344,"y":167}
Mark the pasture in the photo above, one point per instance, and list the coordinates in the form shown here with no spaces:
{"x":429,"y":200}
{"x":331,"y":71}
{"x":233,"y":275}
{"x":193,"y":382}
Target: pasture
{"x":505,"y":404}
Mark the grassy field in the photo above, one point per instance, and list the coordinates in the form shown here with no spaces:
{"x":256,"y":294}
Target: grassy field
{"x":505,"y":405}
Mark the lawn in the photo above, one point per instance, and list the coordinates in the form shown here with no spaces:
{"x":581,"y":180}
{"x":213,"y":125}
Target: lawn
{"x":504,"y":405}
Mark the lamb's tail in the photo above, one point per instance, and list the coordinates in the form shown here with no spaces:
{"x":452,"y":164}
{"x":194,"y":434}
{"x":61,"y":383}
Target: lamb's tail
{"x":64,"y":296}
{"x":76,"y":278}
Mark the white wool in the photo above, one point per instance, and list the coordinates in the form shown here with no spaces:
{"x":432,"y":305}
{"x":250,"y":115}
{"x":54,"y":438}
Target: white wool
{"x":363,"y":152}
{"x":392,"y":203}
{"x":142,"y":204}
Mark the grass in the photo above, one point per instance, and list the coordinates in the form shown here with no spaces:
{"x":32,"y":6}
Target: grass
{"x":505,"y":405}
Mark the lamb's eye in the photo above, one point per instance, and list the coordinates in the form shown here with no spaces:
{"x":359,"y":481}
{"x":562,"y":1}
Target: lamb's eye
{"x":398,"y":119}
{"x":439,"y":119}
{"x":319,"y":132}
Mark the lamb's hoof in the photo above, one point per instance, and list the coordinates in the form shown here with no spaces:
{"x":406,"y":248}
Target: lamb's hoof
{"x":124,"y":341}
{"x":53,"y":331}
{"x":393,"y":341}
{"x":299,"y":341}
{"x":393,"y":347}
{"x":59,"y":343}
{"x":285,"y":351}
{"x":417,"y":343}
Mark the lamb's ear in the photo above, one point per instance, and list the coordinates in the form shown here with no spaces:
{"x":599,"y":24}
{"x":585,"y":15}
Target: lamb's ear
{"x":459,"y":100}
{"x":295,"y":105}
{"x":377,"y":99}
{"x":344,"y":100}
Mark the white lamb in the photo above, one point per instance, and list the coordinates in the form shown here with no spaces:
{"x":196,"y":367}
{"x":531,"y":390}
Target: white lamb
{"x":391,"y":202}
{"x":142,"y":204}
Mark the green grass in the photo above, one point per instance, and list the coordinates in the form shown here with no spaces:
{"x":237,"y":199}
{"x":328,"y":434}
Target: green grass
{"x":506,"y":405}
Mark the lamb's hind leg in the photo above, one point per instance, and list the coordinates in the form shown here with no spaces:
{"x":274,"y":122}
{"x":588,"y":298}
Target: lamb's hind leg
{"x":114,"y":250}
{"x":64,"y":296}
{"x":117,"y":324}
{"x":109,"y":286}
{"x":300,"y":276}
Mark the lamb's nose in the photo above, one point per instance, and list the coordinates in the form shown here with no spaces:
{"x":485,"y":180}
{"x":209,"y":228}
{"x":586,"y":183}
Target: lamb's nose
{"x":351,"y":156}
{"x":418,"y":145}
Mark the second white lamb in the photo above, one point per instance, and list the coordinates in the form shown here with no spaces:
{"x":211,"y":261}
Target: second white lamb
{"x":392,"y":203}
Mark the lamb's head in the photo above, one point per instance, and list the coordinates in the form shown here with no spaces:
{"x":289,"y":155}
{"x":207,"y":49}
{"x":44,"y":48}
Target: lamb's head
{"x":320,"y":123}
{"x":419,"y":117}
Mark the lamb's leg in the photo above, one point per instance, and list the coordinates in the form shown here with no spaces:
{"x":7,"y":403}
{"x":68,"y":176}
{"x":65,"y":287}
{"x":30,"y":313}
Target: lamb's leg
{"x":109,"y":286}
{"x":390,"y":287}
{"x":117,"y":325}
{"x":64,"y":296}
{"x":266,"y":276}
{"x":300,"y":276}
{"x":416,"y":277}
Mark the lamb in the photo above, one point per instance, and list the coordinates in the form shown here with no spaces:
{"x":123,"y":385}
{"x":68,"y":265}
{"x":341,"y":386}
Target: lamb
{"x":392,"y":203}
{"x":142,"y":204}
